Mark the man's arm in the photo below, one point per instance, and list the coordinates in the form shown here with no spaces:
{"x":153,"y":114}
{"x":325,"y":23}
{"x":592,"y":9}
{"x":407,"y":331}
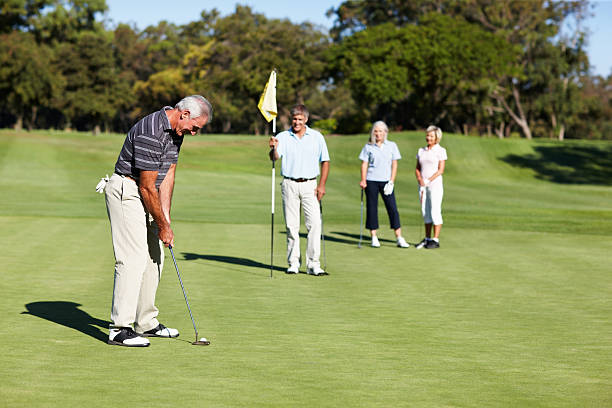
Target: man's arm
{"x":165,"y":192}
{"x":320,"y":191}
{"x":152,"y":202}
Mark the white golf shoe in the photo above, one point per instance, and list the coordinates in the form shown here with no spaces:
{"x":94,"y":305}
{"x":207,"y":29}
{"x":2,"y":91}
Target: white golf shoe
{"x":316,"y":270}
{"x":293,"y":269}
{"x":126,"y":337}
{"x":401,"y":242}
{"x":161,"y":331}
{"x":375,"y":243}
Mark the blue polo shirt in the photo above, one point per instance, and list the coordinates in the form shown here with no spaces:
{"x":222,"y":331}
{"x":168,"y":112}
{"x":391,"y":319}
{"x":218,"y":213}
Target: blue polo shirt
{"x":379,"y":160}
{"x":301,"y":156}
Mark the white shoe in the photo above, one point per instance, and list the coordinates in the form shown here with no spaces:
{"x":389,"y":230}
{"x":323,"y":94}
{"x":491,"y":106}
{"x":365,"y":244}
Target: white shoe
{"x":293,"y":269}
{"x":375,"y":242}
{"x":316,"y":271}
{"x":161,"y":331}
{"x":126,"y":337}
{"x":401,"y":242}
{"x":422,"y":244}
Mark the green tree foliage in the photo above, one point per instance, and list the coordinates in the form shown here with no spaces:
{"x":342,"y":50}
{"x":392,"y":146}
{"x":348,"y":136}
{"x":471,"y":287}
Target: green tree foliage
{"x":234,"y":66}
{"x":28,"y":80}
{"x":420,"y":71}
{"x":92,"y":93}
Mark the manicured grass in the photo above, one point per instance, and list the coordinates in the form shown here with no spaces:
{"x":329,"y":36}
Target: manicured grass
{"x":513,"y":310}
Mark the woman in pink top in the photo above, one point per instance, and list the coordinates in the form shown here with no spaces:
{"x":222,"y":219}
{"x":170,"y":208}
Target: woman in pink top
{"x":429,"y":169}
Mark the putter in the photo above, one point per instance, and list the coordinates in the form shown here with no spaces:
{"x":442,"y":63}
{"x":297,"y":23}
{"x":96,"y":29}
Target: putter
{"x":361,"y":222}
{"x":198,"y":342}
{"x":323,"y":237}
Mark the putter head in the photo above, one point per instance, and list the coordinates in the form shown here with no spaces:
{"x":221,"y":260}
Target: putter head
{"x":202,"y":342}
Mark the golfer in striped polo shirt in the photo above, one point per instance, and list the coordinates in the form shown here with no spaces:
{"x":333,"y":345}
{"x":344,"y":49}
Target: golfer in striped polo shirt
{"x":138,"y":201}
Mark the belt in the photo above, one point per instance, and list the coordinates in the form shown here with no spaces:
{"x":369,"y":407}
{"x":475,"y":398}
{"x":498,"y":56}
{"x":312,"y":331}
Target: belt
{"x":300,"y":180}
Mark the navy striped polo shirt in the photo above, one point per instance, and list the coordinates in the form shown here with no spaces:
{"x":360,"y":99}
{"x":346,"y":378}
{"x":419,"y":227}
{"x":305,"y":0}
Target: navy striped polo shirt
{"x":151,"y":144}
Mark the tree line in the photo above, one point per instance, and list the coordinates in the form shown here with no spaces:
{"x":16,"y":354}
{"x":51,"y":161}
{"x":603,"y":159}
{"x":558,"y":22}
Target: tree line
{"x":502,"y":68}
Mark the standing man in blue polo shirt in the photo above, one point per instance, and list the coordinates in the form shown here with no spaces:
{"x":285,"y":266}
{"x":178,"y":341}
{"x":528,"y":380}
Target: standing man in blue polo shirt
{"x":302,"y":149}
{"x":138,"y":201}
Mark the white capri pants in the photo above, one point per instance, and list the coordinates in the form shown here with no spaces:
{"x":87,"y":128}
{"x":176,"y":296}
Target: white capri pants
{"x":431,"y":204}
{"x":293,"y":194}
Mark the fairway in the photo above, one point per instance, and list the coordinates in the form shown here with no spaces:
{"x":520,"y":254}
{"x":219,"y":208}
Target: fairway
{"x":514,"y":310}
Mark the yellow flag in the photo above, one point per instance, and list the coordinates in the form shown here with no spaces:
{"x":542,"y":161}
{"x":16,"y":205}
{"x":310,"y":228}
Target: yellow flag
{"x":267,"y":101}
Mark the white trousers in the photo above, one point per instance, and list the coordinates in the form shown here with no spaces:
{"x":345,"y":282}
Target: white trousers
{"x":293,"y":194}
{"x":139,"y":256}
{"x":431,"y":204}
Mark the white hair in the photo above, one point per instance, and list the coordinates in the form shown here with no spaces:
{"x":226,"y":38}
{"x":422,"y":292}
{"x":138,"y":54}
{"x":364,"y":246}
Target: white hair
{"x":197,"y":105}
{"x":436,"y":131}
{"x":376,"y":125}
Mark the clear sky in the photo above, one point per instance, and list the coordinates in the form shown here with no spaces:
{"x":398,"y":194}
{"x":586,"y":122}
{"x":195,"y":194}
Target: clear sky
{"x":143,"y":13}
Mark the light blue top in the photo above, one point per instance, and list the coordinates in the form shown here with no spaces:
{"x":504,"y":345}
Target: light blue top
{"x":379,"y":160}
{"x":301,"y":156}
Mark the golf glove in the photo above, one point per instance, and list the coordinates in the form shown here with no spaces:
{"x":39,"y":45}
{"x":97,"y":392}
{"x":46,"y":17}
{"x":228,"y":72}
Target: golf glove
{"x":427,"y":181}
{"x":102,"y":184}
{"x":388,"y":188}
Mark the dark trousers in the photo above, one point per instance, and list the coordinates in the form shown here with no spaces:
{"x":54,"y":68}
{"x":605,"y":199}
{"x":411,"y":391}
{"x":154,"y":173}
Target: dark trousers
{"x":372,"y":190}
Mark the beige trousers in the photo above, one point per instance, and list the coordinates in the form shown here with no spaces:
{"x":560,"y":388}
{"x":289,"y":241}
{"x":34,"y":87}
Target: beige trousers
{"x":293,"y":194}
{"x":139,"y":257}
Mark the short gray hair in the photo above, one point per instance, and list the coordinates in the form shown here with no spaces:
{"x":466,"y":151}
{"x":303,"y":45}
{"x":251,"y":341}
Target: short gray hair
{"x":197,"y":105}
{"x":299,"y":110}
{"x":378,"y":124}
{"x":436,"y":131}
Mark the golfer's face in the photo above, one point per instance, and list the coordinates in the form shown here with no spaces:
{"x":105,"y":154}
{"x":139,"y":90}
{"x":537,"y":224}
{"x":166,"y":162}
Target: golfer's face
{"x":430,"y":139}
{"x":298,"y":123}
{"x":379,"y":135}
{"x":189,"y":125}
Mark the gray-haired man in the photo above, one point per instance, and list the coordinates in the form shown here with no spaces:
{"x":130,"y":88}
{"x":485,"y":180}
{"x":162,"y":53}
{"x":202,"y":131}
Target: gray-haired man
{"x":138,"y":200}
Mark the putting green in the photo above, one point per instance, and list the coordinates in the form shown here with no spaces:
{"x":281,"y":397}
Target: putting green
{"x":513,"y":310}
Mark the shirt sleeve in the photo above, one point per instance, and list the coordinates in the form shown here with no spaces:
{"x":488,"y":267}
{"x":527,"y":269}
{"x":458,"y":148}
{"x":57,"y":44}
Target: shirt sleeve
{"x":442,"y":154}
{"x":280,"y":148}
{"x":395,"y":153}
{"x":363,"y":156}
{"x":324,"y":153}
{"x":147,"y":153}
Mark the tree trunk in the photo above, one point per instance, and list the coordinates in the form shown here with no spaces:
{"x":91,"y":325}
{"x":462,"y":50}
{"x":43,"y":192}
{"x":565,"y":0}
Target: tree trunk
{"x":227,"y":125}
{"x":518,"y":117}
{"x":500,"y":132}
{"x":562,"y":132}
{"x":97,"y":130}
{"x":19,"y":123}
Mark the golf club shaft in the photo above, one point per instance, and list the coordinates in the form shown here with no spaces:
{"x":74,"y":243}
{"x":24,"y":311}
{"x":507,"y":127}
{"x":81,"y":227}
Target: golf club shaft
{"x":323,"y":236}
{"x":272,"y":222}
{"x":361,"y":222}
{"x":184,"y":293}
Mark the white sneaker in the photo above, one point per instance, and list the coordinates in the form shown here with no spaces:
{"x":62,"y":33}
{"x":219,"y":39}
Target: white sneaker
{"x":126,"y":337}
{"x":316,"y":271}
{"x":401,"y":242}
{"x":293,"y":269}
{"x":161,"y":331}
{"x":375,"y":242}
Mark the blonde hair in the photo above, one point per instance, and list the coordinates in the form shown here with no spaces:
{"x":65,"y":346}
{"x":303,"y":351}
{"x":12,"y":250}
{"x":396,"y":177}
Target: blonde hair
{"x":436,"y":131}
{"x":379,"y":124}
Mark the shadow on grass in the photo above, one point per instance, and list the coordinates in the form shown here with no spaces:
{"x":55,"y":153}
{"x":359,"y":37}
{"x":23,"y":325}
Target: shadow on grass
{"x":366,"y":238}
{"x":568,"y":164}
{"x":68,"y":314}
{"x":231,"y":260}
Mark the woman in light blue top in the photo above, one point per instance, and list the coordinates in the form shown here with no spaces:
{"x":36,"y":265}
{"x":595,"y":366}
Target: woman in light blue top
{"x":378,"y":170}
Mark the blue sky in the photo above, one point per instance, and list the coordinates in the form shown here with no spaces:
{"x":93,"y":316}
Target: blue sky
{"x":143,"y":13}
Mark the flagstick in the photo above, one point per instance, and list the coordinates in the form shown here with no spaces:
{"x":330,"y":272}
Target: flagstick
{"x":272,"y":224}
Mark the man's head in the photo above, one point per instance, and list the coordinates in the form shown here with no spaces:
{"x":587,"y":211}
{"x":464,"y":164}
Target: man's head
{"x":299,"y":117}
{"x":194,"y":112}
